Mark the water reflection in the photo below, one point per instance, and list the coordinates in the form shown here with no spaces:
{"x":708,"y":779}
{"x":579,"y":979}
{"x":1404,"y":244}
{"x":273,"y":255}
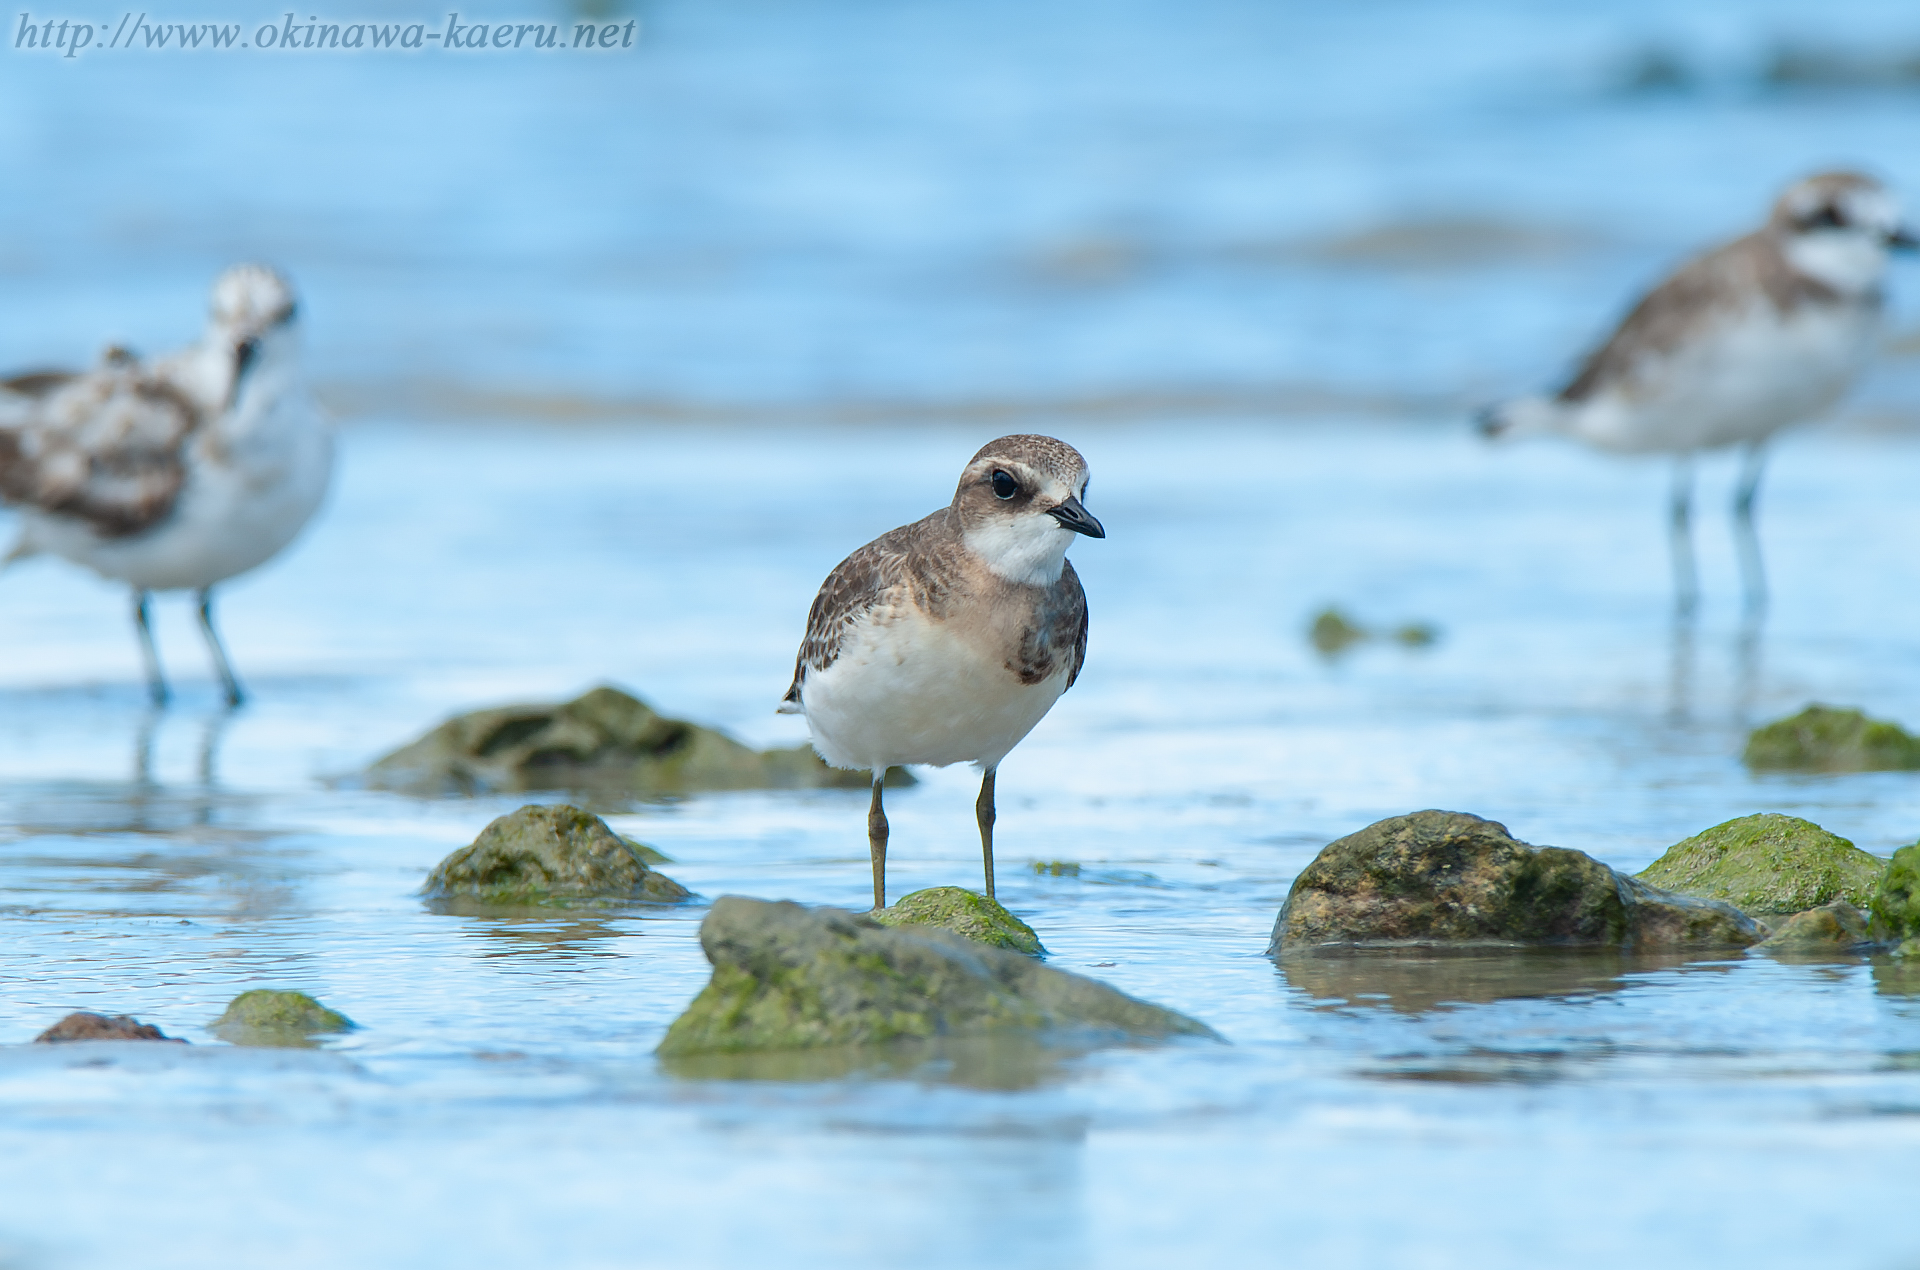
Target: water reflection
{"x":537,"y":933}
{"x":1417,"y":980}
{"x":1683,"y":667}
{"x":1898,"y":977}
{"x":971,"y":1062}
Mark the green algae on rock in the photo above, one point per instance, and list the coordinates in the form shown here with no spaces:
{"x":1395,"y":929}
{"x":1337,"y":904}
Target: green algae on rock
{"x":1333,"y":632}
{"x":1834,"y":927}
{"x":275,"y":1017}
{"x":788,"y":977}
{"x":548,"y":855}
{"x":83,"y":1026}
{"x":1769,"y":863}
{"x":1895,"y":907}
{"x":1440,"y":877}
{"x":1830,"y":739}
{"x":607,"y":741}
{"x":1056,"y":868}
{"x":969,"y":915}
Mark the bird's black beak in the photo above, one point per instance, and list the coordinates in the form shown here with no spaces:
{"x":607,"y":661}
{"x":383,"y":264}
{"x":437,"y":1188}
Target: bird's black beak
{"x":1075,"y":517}
{"x":1903,"y":239}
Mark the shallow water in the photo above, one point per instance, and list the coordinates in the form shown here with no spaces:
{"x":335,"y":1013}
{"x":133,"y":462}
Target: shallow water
{"x":500,"y":1103}
{"x":1256,"y":260}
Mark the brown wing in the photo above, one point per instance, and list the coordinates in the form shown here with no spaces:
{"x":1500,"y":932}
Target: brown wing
{"x":105,"y":448}
{"x":909,"y":557}
{"x":37,"y":383}
{"x":1700,"y":292}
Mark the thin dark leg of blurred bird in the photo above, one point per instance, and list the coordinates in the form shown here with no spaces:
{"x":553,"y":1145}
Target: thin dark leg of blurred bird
{"x":1753,"y":574}
{"x":1686,"y":580}
{"x":877,"y":842}
{"x":983,"y":812}
{"x":220,"y":662}
{"x":156,"y":681}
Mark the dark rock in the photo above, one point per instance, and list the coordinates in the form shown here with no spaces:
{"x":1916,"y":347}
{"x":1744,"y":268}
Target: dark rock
{"x":787,"y":977}
{"x":966,"y":914}
{"x":1451,"y":878}
{"x":604,"y":741}
{"x":1769,"y":863}
{"x":1834,"y":927}
{"x":81,"y":1026}
{"x":271,"y":1017}
{"x":1827,"y":739}
{"x":545,"y":855}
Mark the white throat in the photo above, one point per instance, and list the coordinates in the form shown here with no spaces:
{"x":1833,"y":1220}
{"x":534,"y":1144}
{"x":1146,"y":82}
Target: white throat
{"x":1852,"y":263}
{"x":1031,"y":549}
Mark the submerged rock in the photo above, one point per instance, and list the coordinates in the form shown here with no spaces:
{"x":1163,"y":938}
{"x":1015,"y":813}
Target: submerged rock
{"x":605,"y":740}
{"x":1446,"y":877}
{"x":1895,"y":907}
{"x":787,"y":977}
{"x":82,"y":1026}
{"x":1769,"y":863}
{"x":1333,"y":632}
{"x":966,"y":914}
{"x":1834,"y":927}
{"x":1828,"y":739}
{"x":548,"y":855}
{"x":273,"y":1017}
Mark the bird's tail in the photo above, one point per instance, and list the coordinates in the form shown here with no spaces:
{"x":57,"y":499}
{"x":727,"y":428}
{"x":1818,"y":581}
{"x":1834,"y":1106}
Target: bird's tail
{"x":1523,"y":416}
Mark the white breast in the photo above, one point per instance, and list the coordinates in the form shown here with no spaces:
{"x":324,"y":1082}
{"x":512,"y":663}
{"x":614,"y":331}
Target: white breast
{"x":1740,"y":379}
{"x":906,"y":689}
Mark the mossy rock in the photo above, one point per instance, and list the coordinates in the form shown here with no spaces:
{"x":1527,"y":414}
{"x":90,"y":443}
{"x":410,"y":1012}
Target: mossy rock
{"x":1830,"y":739}
{"x":1333,"y":632}
{"x":606,"y":741}
{"x":1769,"y":863}
{"x":787,"y":977}
{"x":548,"y":855}
{"x":1837,"y":927}
{"x":275,"y":1017}
{"x":1449,"y":878}
{"x":1896,"y":901}
{"x":966,"y":914}
{"x":84,"y":1026}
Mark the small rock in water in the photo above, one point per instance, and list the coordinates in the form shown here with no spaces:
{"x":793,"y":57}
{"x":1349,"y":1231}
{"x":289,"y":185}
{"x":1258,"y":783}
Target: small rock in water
{"x":1834,"y":927}
{"x":82,"y":1026}
{"x":1828,"y":739}
{"x":966,"y":914}
{"x":1056,"y":868}
{"x":273,"y":1017}
{"x":1767,"y":864}
{"x":1444,"y":877}
{"x":1896,"y":904}
{"x":542,"y":855}
{"x":787,"y":977}
{"x":606,"y":740}
{"x":1333,"y":632}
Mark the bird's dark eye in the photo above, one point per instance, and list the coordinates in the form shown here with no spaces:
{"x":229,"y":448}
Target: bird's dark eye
{"x":1004,"y":486}
{"x":1827,"y":217}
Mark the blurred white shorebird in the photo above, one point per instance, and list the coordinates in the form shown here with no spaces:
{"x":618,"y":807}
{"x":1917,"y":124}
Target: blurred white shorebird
{"x":1765,"y":331}
{"x":947,"y":640}
{"x":174,"y":474}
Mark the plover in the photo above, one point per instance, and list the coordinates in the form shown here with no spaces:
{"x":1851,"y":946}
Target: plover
{"x":947,"y":640}
{"x":1768,"y":330}
{"x":174,"y":474}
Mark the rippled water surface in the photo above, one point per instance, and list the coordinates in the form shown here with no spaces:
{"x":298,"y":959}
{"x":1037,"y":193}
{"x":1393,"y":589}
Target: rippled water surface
{"x":500,"y":1103}
{"x":630,"y":353}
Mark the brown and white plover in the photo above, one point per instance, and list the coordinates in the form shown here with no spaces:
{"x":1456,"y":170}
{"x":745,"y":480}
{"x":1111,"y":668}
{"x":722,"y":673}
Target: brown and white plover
{"x":947,"y":640}
{"x":174,"y":474}
{"x":1768,"y":330}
